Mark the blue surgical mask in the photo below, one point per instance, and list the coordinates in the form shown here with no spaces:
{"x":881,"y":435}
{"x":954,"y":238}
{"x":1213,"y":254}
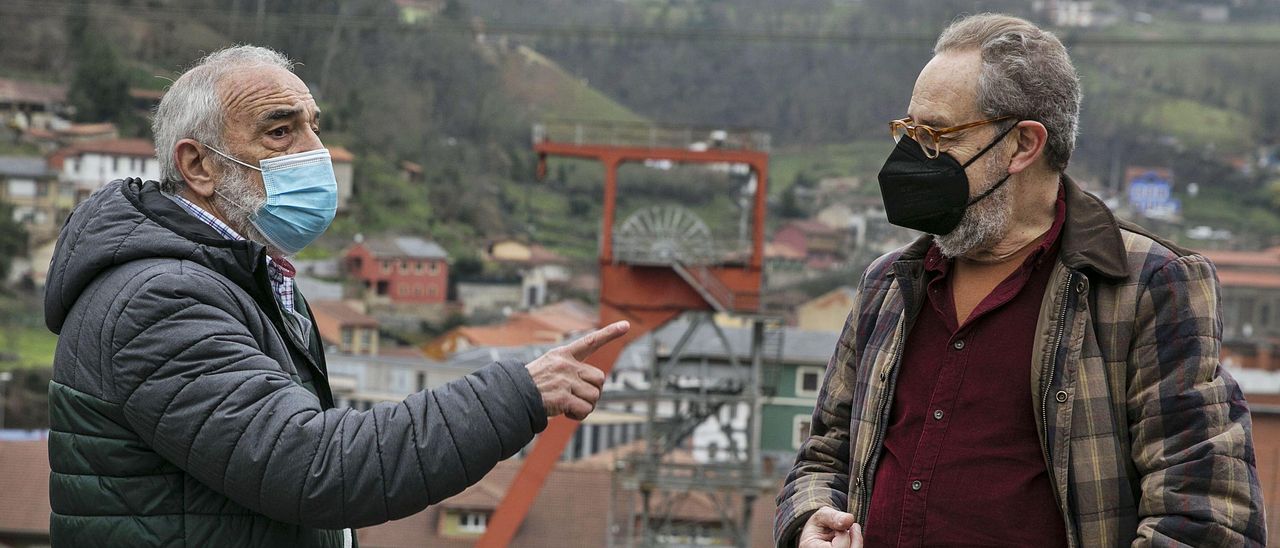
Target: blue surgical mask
{"x":302,"y":198}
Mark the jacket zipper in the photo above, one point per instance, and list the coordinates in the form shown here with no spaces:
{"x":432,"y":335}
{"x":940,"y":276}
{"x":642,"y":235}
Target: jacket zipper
{"x":1048,"y":386}
{"x":864,"y":490}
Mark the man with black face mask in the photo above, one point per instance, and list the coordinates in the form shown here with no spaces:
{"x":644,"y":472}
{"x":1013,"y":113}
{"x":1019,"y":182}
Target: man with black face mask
{"x":1031,"y":372}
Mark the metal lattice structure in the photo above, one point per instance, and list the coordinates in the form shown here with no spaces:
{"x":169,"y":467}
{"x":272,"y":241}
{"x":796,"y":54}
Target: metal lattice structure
{"x":663,"y":500}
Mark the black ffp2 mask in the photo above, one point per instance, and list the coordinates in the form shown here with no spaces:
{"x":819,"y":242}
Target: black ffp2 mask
{"x":929,"y":194}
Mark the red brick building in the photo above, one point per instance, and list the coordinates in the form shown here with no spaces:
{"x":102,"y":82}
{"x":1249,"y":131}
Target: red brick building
{"x":1264,"y":409}
{"x":401,"y":270}
{"x":820,"y":244}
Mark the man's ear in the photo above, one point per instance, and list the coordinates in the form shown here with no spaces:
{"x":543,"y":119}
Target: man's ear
{"x":1031,"y":137}
{"x":196,"y":166}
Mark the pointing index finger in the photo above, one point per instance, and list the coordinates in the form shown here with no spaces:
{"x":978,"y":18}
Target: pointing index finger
{"x":588,"y":344}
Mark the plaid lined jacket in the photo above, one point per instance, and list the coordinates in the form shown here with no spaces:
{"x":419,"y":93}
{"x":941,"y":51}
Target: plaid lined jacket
{"x":1147,"y":440}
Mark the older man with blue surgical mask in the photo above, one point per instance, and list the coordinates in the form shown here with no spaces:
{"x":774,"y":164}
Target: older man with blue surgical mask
{"x":190,"y":403}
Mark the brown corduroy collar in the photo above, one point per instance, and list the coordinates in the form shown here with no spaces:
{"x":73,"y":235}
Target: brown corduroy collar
{"x":1090,"y":237}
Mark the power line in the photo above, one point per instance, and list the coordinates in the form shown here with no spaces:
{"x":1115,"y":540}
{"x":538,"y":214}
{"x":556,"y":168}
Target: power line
{"x":169,"y":14}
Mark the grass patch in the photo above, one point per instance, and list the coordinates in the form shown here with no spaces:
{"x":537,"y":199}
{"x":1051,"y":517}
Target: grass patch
{"x":24,"y":347}
{"x":857,"y":159}
{"x":550,"y":92}
{"x":24,"y":340}
{"x":1197,"y":124}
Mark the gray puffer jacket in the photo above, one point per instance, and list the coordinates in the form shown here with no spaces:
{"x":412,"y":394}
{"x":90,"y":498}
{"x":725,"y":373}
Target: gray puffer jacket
{"x":184,"y":413}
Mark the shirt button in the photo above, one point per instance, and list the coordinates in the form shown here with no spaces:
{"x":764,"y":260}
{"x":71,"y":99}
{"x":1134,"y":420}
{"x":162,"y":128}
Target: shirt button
{"x":1080,"y":286}
{"x":958,"y":345}
{"x":915,"y":485}
{"x":1061,"y":396}
{"x":937,"y":415}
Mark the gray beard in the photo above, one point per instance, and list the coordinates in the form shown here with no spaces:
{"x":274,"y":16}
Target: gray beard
{"x":238,"y":198}
{"x":983,"y":223}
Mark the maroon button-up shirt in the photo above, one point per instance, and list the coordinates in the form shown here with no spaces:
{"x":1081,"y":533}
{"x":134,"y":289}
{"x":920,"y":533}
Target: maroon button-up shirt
{"x":961,"y":464}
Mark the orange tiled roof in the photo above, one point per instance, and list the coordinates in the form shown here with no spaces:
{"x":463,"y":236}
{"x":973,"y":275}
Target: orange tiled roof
{"x":812,"y":227}
{"x":341,"y":154}
{"x":343,"y":313}
{"x":1236,"y":278}
{"x":780,"y":250}
{"x":515,"y":332}
{"x":148,"y":94}
{"x":541,"y":255}
{"x":31,"y":92}
{"x":81,"y":130}
{"x":119,"y":147}
{"x":548,"y":324}
{"x":1244,"y":258}
{"x":401,"y":352}
{"x":565,"y":317}
{"x":116,"y":147}
{"x":332,"y":316}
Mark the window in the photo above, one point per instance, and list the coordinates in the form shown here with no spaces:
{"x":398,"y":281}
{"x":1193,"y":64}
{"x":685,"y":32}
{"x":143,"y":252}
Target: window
{"x":419,"y":267}
{"x":366,"y":340}
{"x":346,"y":339}
{"x":808,"y":381}
{"x":382,"y":287}
{"x":386,"y":267}
{"x":432,"y":291}
{"x":800,"y":430}
{"x":22,"y":188}
{"x":422,"y":381}
{"x":404,"y":267}
{"x":115,"y":164}
{"x":1264,"y":318}
{"x":473,"y":522}
{"x":433,"y":268}
{"x":23,"y":214}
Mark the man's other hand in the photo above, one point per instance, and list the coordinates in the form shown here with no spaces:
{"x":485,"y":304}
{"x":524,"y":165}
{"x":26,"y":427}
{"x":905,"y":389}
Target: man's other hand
{"x":568,"y":385}
{"x":829,"y":528}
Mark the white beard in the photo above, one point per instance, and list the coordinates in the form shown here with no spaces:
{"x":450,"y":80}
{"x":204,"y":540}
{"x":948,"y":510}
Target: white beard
{"x":238,"y":197}
{"x":983,"y":223}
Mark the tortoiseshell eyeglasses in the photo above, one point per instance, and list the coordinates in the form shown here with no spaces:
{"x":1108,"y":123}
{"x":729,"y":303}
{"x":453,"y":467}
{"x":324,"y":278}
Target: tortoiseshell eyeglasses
{"x":930,"y":137}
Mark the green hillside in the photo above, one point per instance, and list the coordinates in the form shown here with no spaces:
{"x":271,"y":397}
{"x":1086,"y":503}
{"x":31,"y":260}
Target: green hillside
{"x":545,"y":90}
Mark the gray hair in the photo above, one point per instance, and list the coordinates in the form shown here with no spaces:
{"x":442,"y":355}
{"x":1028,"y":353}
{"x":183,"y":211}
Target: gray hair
{"x":1026,"y":73}
{"x":192,"y":108}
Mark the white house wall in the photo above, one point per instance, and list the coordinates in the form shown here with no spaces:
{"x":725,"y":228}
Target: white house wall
{"x":90,"y":171}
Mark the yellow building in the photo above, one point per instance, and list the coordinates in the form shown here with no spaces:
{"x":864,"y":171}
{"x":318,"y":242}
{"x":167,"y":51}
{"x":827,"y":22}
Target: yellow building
{"x":826,"y":312}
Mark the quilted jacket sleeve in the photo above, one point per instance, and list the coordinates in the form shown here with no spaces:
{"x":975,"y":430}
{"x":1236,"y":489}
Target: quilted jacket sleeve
{"x":1192,"y":439}
{"x":197,"y":389}
{"x":820,"y":476}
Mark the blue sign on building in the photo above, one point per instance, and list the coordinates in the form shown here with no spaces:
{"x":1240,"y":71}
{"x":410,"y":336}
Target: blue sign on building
{"x":1151,"y":195}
